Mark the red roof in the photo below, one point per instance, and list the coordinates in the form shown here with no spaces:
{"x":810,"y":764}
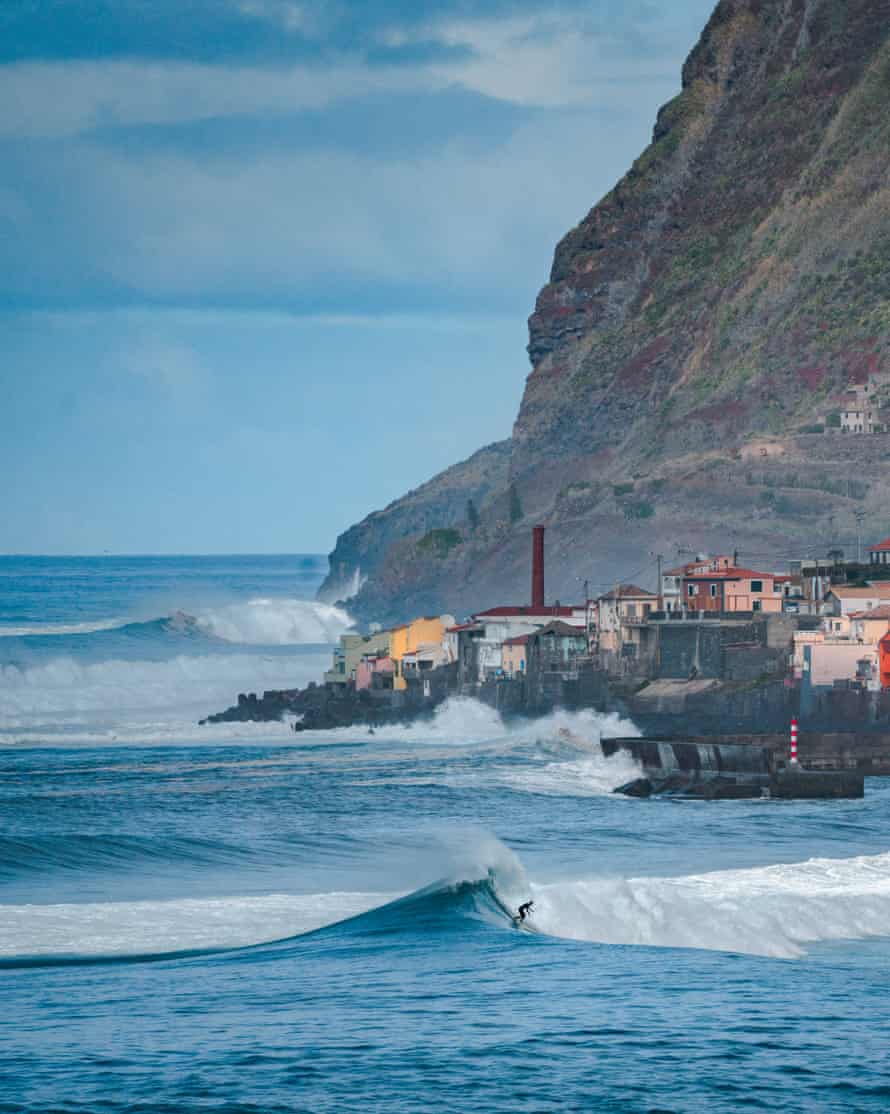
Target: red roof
{"x":519,"y":641}
{"x":542,"y":612}
{"x":732,"y":574}
{"x":881,"y":612}
{"x":881,"y":547}
{"x":462,"y":626}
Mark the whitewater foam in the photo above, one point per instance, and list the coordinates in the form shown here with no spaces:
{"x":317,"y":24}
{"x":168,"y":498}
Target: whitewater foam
{"x":160,"y":927}
{"x":29,"y":629}
{"x":770,"y":911}
{"x":151,"y":695}
{"x":275,"y":622}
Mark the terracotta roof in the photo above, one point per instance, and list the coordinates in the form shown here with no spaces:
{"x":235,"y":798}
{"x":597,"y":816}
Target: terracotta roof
{"x":881,"y":547}
{"x":463,"y":626}
{"x":732,"y":574}
{"x":629,"y":591}
{"x":521,"y":639}
{"x":877,"y":591}
{"x":539,"y":612}
{"x":881,"y":612}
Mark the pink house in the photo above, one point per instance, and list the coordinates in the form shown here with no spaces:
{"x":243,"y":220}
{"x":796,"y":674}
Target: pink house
{"x":371,"y":667}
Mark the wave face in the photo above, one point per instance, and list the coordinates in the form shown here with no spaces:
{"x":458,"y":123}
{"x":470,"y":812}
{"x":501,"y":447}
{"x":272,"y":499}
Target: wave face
{"x":275,"y":622}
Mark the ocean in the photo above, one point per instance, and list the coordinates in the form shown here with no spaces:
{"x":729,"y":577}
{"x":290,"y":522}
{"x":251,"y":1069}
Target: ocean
{"x":237,"y":918}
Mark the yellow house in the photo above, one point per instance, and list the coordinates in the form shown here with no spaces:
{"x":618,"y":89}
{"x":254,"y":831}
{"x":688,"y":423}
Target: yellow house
{"x":407,"y":639}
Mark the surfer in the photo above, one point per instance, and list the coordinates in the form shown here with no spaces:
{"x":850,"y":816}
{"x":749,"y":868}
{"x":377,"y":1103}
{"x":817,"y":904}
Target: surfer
{"x":525,"y":909}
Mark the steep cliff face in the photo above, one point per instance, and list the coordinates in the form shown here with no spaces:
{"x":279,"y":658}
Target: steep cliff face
{"x":701,"y":319}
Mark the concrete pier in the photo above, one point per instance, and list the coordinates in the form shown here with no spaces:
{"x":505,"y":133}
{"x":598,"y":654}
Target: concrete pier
{"x":719,"y":769}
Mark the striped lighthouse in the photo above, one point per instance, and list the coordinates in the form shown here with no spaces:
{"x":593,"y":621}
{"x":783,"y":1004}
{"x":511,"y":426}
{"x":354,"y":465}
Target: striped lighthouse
{"x":794,"y":741}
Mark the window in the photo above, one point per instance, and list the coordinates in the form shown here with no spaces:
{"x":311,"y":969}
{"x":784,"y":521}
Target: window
{"x":757,"y":606}
{"x":631,"y":611}
{"x":691,"y":589}
{"x":713,"y":591}
{"x":756,"y":585}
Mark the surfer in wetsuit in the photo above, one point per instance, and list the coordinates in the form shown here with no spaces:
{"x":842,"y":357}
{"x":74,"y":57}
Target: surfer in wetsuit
{"x":525,"y":909}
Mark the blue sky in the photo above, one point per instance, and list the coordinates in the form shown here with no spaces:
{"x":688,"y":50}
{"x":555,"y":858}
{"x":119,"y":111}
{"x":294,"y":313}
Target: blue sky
{"x":266,"y":264}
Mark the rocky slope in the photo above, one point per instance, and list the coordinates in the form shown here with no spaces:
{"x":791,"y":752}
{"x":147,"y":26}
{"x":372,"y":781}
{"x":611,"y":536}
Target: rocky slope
{"x":699,"y":323}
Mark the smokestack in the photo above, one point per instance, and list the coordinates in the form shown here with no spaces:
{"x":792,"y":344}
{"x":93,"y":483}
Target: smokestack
{"x":538,"y":566}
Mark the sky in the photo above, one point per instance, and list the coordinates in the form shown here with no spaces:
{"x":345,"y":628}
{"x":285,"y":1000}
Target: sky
{"x":266,"y":265}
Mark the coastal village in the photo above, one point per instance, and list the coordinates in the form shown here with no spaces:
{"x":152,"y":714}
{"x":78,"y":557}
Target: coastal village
{"x":717,"y":647}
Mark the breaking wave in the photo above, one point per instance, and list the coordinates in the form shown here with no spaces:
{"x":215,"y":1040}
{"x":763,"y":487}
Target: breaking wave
{"x":69,"y":691}
{"x":162,"y":928}
{"x":771,"y":911}
{"x":275,"y":622}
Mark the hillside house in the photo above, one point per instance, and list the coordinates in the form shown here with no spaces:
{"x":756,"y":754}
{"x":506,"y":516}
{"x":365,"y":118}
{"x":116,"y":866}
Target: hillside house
{"x":880,"y":554}
{"x":672,"y":579}
{"x":841,"y":600}
{"x":733,"y":589}
{"x":626,"y":603}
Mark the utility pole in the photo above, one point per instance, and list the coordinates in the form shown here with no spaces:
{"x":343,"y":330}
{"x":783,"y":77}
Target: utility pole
{"x":659,"y":558}
{"x":859,"y":515}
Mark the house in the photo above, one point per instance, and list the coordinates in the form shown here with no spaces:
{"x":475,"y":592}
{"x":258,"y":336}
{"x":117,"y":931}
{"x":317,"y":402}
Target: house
{"x":374,"y":672}
{"x":870,"y":626}
{"x":884,"y":661}
{"x":557,"y":648}
{"x":880,"y":554}
{"x":672,"y":579}
{"x":349,"y":652}
{"x":733,"y":589}
{"x":841,"y":600}
{"x":482,"y":641}
{"x":426,"y":634}
{"x":514,"y":655}
{"x":625,"y":603}
{"x":860,"y":410}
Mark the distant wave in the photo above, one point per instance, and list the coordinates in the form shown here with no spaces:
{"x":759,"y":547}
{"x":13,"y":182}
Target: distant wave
{"x":30,"y":629}
{"x":103,"y":851}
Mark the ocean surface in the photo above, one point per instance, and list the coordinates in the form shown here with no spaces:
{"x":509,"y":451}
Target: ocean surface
{"x":237,"y":918}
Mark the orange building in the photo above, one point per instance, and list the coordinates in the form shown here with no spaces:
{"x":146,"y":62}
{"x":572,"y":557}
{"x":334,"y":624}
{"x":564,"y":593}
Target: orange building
{"x":884,"y":660}
{"x":733,"y":589}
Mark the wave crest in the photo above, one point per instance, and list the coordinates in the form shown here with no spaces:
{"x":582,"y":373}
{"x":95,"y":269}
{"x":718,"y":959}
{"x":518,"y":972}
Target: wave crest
{"x":275,"y":622}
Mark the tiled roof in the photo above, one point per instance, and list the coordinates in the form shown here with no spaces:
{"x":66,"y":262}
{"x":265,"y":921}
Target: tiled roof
{"x":520,"y":640}
{"x":539,"y":612}
{"x":626,"y":591}
{"x":876,"y":591}
{"x":732,"y":574}
{"x":881,"y":547}
{"x":881,"y":612}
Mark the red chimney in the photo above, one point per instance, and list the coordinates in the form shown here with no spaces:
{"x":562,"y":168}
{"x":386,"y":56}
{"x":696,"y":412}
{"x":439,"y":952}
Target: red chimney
{"x":538,"y":566}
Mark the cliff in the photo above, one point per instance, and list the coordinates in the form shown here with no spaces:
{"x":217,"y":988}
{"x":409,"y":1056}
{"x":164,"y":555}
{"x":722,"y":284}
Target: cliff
{"x":698,"y":325}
